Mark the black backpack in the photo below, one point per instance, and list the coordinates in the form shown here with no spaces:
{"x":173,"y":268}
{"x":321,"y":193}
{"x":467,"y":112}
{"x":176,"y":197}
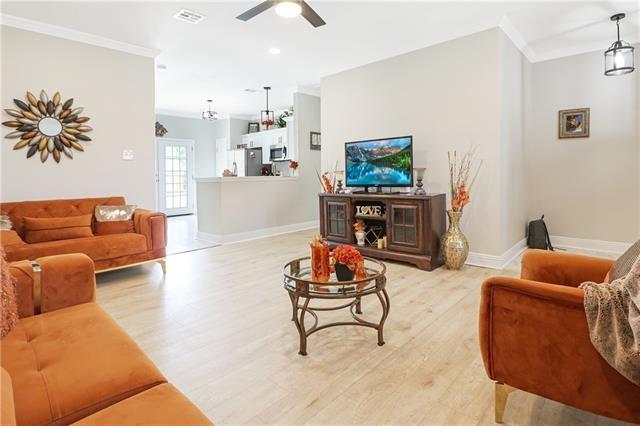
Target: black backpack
{"x":538,"y":235}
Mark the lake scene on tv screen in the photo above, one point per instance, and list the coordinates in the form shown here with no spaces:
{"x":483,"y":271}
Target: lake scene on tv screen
{"x":382,"y":162}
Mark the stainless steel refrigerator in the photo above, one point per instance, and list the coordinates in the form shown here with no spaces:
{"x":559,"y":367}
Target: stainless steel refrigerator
{"x":253,"y":161}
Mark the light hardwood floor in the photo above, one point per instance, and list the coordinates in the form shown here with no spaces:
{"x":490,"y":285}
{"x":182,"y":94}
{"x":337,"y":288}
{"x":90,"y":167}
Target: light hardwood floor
{"x":218,"y":326}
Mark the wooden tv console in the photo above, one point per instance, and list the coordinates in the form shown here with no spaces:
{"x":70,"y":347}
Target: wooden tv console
{"x":413,"y":225}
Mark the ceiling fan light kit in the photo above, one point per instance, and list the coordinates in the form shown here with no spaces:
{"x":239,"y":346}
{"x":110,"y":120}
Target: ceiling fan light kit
{"x":618,"y":59}
{"x":287,"y":9}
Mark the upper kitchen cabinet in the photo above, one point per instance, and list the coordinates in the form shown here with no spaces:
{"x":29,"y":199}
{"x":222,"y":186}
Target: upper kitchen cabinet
{"x":268,"y":140}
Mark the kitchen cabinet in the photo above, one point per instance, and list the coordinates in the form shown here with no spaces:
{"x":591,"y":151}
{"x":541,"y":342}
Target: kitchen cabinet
{"x":265,"y":140}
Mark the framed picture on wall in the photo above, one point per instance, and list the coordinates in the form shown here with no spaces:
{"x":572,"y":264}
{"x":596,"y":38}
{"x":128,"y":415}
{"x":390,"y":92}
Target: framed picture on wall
{"x":316,"y":142}
{"x":254,"y":127}
{"x":573,"y":123}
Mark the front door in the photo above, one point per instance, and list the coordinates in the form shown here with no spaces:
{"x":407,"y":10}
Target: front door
{"x":175,"y":176}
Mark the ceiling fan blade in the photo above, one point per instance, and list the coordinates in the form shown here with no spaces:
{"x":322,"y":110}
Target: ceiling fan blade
{"x":256,"y":10}
{"x":311,"y":15}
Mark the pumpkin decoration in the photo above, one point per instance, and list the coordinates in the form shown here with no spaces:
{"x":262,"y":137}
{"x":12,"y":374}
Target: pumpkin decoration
{"x":48,"y":126}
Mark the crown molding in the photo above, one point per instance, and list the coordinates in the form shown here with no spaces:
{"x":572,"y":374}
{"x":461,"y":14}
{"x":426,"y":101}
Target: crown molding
{"x":79,"y":36}
{"x":516,"y":38}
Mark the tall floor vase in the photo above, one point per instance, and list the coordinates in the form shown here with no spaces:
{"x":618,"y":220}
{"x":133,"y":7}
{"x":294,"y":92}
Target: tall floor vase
{"x":455,"y":247}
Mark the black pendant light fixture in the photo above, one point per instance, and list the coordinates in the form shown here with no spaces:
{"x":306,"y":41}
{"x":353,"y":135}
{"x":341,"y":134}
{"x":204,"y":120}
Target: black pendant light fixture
{"x":618,"y":59}
{"x":267,"y":117}
{"x":209,"y":115}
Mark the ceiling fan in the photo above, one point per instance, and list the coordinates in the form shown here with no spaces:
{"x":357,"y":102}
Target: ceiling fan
{"x":287,"y":9}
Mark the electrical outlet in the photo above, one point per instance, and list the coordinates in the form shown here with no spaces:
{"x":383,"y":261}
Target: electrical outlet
{"x":127,"y":154}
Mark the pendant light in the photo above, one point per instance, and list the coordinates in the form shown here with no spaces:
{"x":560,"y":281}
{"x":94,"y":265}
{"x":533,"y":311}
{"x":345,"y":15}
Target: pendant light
{"x":267,"y":117}
{"x":209,"y":115}
{"x":618,"y":59}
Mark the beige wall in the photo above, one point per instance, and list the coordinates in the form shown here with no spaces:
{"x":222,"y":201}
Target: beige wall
{"x":587,"y":188}
{"x":117,"y":91}
{"x":448,"y":97}
{"x":307,"y":119}
{"x":513,"y":169}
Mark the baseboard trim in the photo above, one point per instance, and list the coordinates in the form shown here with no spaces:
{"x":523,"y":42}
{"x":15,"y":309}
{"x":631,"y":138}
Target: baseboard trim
{"x":493,"y":261}
{"x":613,"y":248}
{"x":258,"y":233}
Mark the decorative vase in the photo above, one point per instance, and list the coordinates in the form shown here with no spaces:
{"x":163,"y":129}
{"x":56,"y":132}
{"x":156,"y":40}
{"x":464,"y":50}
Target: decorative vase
{"x":360,"y":235}
{"x":343,"y":273}
{"x":455,"y":247}
{"x":320,"y":259}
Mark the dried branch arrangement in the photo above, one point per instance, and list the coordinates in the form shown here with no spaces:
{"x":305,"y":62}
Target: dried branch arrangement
{"x":328,"y":180}
{"x":460,"y":171}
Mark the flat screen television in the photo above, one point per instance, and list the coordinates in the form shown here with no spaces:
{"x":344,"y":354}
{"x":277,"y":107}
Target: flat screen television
{"x":379,"y":162}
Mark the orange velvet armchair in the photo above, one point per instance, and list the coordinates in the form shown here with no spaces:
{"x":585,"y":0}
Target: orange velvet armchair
{"x":534,"y":337}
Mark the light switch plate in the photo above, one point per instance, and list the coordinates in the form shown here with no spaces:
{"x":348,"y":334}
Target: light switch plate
{"x":127,"y":154}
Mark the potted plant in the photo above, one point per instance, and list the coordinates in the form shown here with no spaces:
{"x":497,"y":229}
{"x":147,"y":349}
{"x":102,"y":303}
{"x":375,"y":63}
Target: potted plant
{"x":359,"y":228}
{"x":346,"y":260}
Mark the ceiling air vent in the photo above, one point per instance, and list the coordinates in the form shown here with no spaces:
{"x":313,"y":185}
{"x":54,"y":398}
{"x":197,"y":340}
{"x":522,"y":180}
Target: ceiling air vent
{"x":189,"y":16}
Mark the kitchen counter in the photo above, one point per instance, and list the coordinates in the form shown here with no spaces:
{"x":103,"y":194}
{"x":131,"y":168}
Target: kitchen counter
{"x":241,"y":208}
{"x":225,"y":179}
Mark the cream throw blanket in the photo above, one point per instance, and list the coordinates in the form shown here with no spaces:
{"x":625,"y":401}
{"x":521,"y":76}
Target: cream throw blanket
{"x":613,"y":314}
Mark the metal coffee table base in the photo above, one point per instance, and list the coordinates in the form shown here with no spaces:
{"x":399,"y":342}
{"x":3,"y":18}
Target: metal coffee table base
{"x":300,"y":311}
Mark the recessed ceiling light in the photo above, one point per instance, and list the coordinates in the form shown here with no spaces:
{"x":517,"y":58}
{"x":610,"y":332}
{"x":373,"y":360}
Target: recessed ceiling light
{"x":189,"y":16}
{"x":288,"y":9}
{"x":250,"y":90}
{"x":274,"y":51}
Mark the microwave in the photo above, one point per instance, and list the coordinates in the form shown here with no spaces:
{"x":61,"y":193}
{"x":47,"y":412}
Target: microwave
{"x":278,"y":153}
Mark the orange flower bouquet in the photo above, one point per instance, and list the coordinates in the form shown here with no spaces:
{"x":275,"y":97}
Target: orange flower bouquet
{"x":347,"y":260}
{"x":459,"y":173}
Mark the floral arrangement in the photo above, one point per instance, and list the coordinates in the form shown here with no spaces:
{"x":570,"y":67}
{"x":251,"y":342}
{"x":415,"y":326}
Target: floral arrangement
{"x":265,"y":171}
{"x":347,"y":255}
{"x":460,"y":170}
{"x":267,"y":123}
{"x":293,"y":165}
{"x":359,"y":226}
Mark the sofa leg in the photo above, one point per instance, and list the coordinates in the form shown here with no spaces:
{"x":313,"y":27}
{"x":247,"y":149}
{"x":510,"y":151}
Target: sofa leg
{"x":163,"y":265}
{"x":502,"y":392}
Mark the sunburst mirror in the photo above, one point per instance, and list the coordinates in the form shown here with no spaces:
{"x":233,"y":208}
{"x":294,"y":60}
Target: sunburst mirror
{"x":48,"y":126}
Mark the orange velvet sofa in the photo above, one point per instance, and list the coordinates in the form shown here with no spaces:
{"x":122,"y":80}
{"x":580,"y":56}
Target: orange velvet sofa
{"x":67,"y":361}
{"x":144,"y":241}
{"x":534,"y":337}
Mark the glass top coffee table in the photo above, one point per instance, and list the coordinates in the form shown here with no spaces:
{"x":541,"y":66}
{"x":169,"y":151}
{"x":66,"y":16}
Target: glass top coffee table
{"x":302,"y":289}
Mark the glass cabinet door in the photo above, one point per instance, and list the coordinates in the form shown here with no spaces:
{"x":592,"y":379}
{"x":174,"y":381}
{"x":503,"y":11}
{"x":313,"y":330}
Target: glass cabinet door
{"x":405,"y":225}
{"x":337,"y":220}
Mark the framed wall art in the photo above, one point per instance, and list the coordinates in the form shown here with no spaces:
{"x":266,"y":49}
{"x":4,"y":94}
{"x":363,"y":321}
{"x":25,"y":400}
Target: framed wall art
{"x":316,"y":142}
{"x":573,"y":123}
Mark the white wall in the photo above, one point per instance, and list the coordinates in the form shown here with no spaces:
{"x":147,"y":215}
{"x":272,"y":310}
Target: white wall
{"x":202,"y":132}
{"x":117,"y":91}
{"x":448,"y":97}
{"x":588,"y":187}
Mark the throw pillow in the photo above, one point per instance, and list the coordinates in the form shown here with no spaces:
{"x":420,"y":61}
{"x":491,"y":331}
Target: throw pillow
{"x":114,"y":219}
{"x":8,"y":302}
{"x":42,"y":229}
{"x":114,"y":213}
{"x":623,"y":265}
